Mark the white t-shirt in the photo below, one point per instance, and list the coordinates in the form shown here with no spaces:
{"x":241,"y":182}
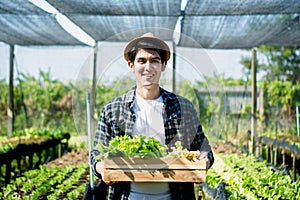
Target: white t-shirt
{"x":149,"y":119}
{"x":149,"y":122}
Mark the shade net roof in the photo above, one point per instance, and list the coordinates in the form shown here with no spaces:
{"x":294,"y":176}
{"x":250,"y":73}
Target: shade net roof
{"x":23,"y":23}
{"x":223,"y":24}
{"x":216,"y":24}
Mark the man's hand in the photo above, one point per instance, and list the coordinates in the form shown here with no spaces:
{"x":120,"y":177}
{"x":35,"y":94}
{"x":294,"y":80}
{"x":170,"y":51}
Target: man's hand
{"x":100,"y":169}
{"x":205,"y":148}
{"x":204,"y":156}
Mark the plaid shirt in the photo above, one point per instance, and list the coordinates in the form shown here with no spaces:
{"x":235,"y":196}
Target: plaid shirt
{"x":181,"y":123}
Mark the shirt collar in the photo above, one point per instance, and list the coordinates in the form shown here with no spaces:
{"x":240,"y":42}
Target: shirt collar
{"x":129,"y":98}
{"x":166,"y":95}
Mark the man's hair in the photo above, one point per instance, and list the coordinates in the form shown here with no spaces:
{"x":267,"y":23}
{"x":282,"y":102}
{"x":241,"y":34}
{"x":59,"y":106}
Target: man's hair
{"x":148,"y":44}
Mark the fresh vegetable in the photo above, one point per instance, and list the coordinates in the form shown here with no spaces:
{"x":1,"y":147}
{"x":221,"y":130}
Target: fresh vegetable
{"x":140,"y":147}
{"x":137,"y":147}
{"x":179,"y":152}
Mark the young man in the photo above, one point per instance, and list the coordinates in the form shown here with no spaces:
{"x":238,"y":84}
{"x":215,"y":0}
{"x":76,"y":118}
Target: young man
{"x":150,"y":110}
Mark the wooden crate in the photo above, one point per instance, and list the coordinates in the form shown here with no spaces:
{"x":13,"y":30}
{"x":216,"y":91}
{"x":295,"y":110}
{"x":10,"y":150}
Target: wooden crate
{"x":154,"y":170}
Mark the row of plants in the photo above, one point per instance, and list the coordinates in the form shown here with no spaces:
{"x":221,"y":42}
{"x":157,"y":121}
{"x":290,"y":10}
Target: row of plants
{"x":29,"y":136}
{"x":289,"y":144}
{"x":247,"y":178}
{"x":290,"y":139}
{"x":54,"y":182}
{"x":50,"y":132}
{"x":29,"y":148}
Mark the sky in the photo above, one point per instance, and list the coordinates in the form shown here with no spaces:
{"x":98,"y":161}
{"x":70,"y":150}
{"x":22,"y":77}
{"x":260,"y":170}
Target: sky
{"x":68,"y":63}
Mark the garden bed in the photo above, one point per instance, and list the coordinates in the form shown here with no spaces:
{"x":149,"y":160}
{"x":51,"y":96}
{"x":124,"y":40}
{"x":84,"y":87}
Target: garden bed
{"x":63,"y":178}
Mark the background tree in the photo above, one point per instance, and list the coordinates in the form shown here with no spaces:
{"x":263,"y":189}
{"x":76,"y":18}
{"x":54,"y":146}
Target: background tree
{"x":280,"y":63}
{"x":280,"y":84}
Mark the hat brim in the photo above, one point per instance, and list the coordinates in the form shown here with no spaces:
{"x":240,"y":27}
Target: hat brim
{"x":159,"y":44}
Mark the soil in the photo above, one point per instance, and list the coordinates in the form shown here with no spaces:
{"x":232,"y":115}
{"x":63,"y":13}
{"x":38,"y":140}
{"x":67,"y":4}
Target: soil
{"x":75,"y":157}
{"x":220,"y":147}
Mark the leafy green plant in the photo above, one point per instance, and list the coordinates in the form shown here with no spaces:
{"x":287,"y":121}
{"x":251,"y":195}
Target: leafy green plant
{"x":5,"y":147}
{"x":53,"y":182}
{"x":248,"y":178}
{"x":140,"y":147}
{"x":133,"y":147}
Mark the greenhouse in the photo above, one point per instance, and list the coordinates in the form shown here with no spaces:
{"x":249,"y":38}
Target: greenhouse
{"x":48,"y":126}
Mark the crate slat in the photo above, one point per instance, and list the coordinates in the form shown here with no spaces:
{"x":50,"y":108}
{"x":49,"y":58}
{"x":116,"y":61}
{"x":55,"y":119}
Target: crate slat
{"x":154,"y":170}
{"x":155,"y":175}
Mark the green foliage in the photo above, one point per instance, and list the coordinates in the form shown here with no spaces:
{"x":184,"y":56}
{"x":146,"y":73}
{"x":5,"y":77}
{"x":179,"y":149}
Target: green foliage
{"x":39,"y":102}
{"x":3,"y":105}
{"x":137,"y":146}
{"x":50,"y":132}
{"x":281,"y":63}
{"x":247,"y":178}
{"x":281,"y":93}
{"x":140,"y":147}
{"x":246,"y":111}
{"x":190,"y":92}
{"x":50,"y":182}
{"x":4,"y":95}
{"x":280,"y":98}
{"x":46,"y":98}
{"x":221,"y":81}
{"x":5,"y":147}
{"x":106,"y":93}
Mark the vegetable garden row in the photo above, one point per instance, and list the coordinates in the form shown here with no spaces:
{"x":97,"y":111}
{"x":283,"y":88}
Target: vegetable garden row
{"x":64,"y":178}
{"x":283,"y":151}
{"x":29,"y":150}
{"x":247,"y":178}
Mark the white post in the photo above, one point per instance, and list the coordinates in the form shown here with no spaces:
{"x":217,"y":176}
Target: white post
{"x":88,"y":115}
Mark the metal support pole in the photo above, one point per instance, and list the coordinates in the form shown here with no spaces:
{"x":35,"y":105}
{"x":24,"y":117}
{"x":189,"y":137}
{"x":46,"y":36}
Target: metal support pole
{"x":10,"y":109}
{"x":88,"y":115}
{"x":93,"y":90}
{"x":174,"y":69}
{"x":297,"y":118}
{"x":254,"y":103}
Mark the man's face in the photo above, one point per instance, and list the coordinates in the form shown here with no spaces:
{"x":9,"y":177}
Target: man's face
{"x":147,"y":67}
